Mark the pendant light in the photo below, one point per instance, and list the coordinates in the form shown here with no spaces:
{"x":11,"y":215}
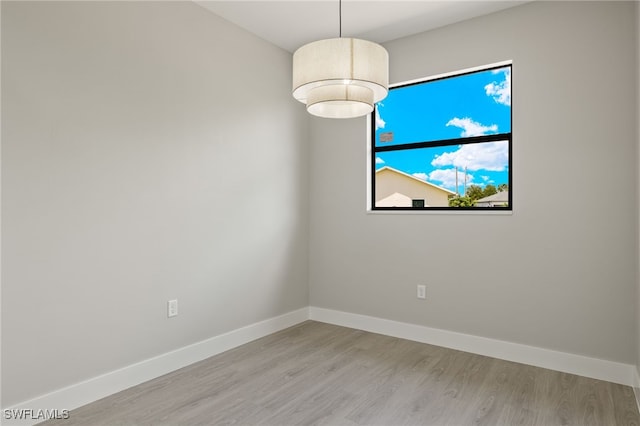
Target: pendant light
{"x":340,"y":77}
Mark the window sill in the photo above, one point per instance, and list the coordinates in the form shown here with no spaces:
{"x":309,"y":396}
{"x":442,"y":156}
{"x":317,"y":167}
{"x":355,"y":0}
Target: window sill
{"x":442,"y":212}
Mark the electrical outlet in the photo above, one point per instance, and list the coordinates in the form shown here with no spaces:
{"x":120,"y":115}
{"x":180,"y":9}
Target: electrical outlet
{"x":172,"y":308}
{"x":422,"y":292}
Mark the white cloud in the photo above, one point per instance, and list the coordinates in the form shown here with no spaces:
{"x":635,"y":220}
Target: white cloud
{"x":492,"y":156}
{"x":500,"y":91}
{"x":379,"y":160}
{"x":447,"y":178}
{"x":421,"y":176}
{"x":380,"y":123}
{"x":471,"y":128}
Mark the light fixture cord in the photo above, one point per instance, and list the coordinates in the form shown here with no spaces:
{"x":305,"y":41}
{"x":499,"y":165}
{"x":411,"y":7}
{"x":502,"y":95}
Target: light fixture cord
{"x":340,"y":16}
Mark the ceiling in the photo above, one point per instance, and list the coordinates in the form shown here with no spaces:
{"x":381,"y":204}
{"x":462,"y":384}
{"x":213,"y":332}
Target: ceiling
{"x":290,"y":24}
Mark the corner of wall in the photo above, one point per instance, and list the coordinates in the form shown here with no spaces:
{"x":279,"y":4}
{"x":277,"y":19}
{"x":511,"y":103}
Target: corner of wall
{"x":636,"y":387}
{"x":637,"y":378}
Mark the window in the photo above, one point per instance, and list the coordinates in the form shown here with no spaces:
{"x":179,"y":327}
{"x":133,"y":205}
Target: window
{"x":445,"y":142}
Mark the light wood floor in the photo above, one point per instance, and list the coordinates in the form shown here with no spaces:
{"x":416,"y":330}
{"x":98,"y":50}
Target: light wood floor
{"x":320,"y":374}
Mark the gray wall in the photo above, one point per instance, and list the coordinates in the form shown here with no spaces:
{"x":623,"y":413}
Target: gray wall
{"x":638,"y":188}
{"x":560,"y":273}
{"x":151,"y":151}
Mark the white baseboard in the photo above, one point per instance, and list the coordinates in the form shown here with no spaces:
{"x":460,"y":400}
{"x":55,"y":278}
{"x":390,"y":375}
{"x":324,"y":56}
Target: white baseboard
{"x":107,"y":384}
{"x":610,"y":371}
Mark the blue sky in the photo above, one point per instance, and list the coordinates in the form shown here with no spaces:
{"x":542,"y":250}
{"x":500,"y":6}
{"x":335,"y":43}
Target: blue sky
{"x":469,"y":105}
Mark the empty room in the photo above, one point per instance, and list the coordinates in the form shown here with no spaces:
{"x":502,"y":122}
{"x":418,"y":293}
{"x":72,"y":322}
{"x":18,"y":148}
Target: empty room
{"x":320,"y":212}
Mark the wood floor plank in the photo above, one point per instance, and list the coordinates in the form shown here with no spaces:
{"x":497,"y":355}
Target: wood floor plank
{"x":321,"y":374}
{"x":624,"y":405}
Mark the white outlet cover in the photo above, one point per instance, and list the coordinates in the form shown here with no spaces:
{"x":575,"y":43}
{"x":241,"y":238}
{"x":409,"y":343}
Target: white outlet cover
{"x":172,"y":308}
{"x":422,"y":292}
